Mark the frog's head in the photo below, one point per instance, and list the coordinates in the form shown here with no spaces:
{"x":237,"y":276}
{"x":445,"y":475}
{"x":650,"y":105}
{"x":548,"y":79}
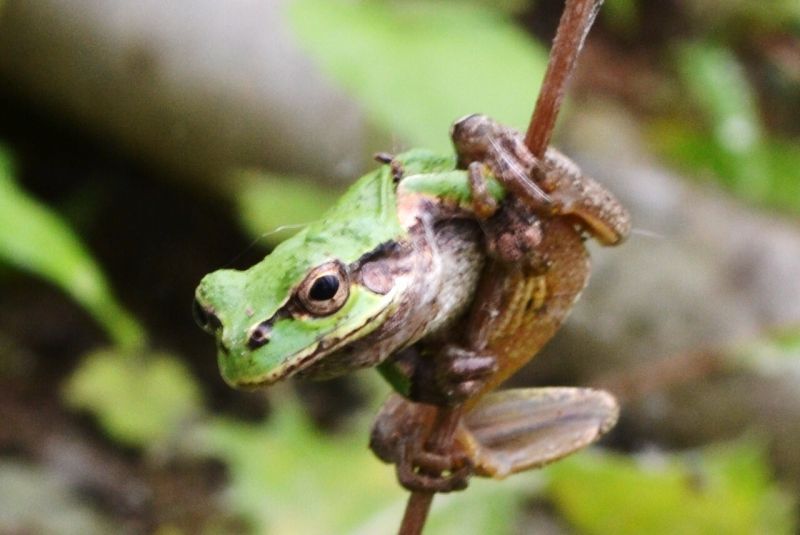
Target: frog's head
{"x":311,"y":296}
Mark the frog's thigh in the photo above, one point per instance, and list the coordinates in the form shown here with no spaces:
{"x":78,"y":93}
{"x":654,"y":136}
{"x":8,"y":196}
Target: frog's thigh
{"x":515,"y":430}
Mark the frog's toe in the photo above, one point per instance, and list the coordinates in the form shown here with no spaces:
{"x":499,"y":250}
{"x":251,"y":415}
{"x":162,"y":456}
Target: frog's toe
{"x":464,"y":365}
{"x":462,"y":373}
{"x":415,"y":481}
{"x":432,"y":472}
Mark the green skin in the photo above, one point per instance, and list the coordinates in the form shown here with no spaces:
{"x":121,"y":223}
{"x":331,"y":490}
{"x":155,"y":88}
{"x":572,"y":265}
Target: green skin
{"x":367,"y":220}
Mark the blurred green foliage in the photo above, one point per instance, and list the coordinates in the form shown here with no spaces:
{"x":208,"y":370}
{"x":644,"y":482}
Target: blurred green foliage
{"x":141,"y":400}
{"x":722,"y":489}
{"x":292,"y":202}
{"x":732,"y":18}
{"x":417,"y":86}
{"x":621,"y":15}
{"x":281,"y":466}
{"x":723,"y":134}
{"x":776,"y":355}
{"x":34,"y":238}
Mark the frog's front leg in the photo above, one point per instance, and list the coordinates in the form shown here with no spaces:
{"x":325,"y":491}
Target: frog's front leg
{"x":450,"y":376}
{"x":513,"y":233}
{"x":566,"y":191}
{"x":551,"y":186}
{"x":443,"y":374}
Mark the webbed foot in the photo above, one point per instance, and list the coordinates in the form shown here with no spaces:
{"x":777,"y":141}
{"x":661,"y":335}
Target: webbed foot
{"x":400,"y":436}
{"x":421,"y":469}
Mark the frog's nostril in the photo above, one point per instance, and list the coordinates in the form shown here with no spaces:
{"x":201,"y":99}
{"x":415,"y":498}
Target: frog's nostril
{"x":205,"y":318}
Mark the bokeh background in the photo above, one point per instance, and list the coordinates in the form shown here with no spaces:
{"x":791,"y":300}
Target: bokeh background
{"x":144,"y":144}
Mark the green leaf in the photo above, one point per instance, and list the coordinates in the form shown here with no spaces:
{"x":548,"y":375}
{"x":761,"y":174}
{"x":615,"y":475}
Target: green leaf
{"x":35,"y":239}
{"x":731,"y":18}
{"x":722,"y":489}
{"x":417,"y":66}
{"x":284,"y":469}
{"x":287,"y":477}
{"x":139,"y":400}
{"x":724,"y":134}
{"x":717,"y":84}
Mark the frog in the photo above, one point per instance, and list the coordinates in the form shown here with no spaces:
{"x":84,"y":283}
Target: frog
{"x":447,"y":274}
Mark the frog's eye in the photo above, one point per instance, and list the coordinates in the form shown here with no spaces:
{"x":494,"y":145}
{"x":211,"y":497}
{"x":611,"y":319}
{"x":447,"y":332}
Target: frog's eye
{"x":325,"y":289}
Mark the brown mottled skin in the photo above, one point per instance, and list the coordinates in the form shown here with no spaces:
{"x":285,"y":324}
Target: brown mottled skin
{"x":553,"y":187}
{"x":536,"y":267}
{"x":522,"y":304}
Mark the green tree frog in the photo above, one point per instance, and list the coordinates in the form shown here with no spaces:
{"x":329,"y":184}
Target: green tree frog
{"x":448,"y":274}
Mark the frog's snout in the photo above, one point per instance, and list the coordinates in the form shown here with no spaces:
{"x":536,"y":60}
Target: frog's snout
{"x":205,"y":318}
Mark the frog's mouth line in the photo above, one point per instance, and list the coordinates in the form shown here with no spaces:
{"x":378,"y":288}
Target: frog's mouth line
{"x":302,"y":360}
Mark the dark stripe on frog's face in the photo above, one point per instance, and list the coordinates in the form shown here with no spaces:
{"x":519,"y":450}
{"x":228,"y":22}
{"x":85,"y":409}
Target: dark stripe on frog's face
{"x":300,"y":340}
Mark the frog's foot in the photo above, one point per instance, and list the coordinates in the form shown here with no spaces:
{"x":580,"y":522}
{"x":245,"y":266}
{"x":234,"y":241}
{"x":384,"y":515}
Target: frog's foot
{"x":462,"y":372}
{"x":456,"y":375}
{"x":399,"y":436}
{"x":513,"y":236}
{"x":580,"y":196}
{"x":511,"y":233}
{"x":421,"y":470}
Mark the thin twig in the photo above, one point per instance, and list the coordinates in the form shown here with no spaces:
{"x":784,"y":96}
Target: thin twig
{"x":573,"y":27}
{"x":417,"y":507}
{"x":419,"y":502}
{"x":576,"y":20}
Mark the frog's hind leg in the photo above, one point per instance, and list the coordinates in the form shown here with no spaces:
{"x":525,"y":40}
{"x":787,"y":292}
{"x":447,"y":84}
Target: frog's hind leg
{"x":505,"y":433}
{"x":515,"y":430}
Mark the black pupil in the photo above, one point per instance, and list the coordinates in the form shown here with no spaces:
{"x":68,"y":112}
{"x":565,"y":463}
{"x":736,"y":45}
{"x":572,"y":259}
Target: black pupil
{"x":324,"y":288}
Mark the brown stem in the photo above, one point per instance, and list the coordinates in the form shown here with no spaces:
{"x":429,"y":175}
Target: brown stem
{"x":419,"y":503}
{"x":417,"y":507}
{"x":573,"y":27}
{"x":576,"y":20}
